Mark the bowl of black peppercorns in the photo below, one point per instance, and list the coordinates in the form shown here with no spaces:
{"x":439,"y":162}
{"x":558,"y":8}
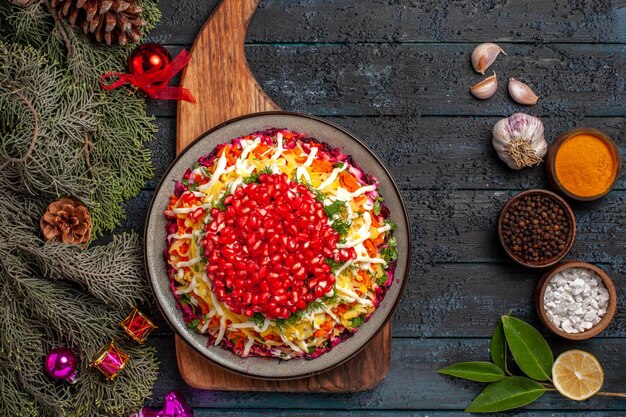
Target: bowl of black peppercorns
{"x":537,"y":228}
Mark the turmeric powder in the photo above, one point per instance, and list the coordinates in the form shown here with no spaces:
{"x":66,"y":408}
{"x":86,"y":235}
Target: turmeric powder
{"x":586,"y":165}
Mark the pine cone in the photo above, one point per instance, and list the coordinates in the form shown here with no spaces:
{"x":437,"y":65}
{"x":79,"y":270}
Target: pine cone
{"x":107,"y":20}
{"x":66,"y":220}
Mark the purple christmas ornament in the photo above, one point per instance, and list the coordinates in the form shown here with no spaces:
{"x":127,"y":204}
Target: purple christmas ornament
{"x":174,"y":405}
{"x":62,"y":363}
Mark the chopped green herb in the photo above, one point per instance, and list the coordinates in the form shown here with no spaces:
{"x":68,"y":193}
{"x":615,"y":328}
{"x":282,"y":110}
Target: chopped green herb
{"x":314,"y":306}
{"x":320,"y":197}
{"x":333,"y":265}
{"x":390,"y":252}
{"x":220,"y":203}
{"x":377,"y":205}
{"x":250,"y":179}
{"x":185,"y":182}
{"x":381,"y":280}
{"x":193,"y":324}
{"x":184,"y":299}
{"x":255,"y":176}
{"x":391,"y":224}
{"x":342,"y":227}
{"x":335,"y":208}
{"x":193,"y":187}
{"x":357,"y":321}
{"x":311,"y":349}
{"x":258,"y":319}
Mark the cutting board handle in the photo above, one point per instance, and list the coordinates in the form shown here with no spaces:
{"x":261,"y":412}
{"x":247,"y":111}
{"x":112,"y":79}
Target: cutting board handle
{"x":218,"y":74}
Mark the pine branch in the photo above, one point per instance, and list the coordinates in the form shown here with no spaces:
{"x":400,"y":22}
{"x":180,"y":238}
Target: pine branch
{"x":13,"y":401}
{"x":61,"y":136}
{"x":113,"y":273}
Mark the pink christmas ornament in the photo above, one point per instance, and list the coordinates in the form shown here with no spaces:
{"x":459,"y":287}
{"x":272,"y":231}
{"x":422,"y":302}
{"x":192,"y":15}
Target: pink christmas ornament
{"x":62,"y":363}
{"x":174,"y":405}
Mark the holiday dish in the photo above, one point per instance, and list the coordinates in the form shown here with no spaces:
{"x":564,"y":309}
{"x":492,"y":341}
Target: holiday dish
{"x":278,"y":244}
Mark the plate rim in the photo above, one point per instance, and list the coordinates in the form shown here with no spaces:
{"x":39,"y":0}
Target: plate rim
{"x":391,"y":310}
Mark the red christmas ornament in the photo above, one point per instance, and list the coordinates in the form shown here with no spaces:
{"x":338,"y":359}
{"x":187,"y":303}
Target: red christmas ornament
{"x":137,"y":325}
{"x":147,"y":58}
{"x":151,"y":69}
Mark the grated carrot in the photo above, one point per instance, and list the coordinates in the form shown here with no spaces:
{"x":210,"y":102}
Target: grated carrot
{"x":370,"y":248}
{"x":321,"y":165}
{"x":349,"y":182}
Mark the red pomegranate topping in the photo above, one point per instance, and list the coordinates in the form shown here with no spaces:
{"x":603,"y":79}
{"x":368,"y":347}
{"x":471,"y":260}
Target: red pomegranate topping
{"x":267,"y":250}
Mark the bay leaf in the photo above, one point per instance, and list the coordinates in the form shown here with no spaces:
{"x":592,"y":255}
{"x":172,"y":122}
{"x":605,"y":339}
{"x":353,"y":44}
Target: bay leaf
{"x":529,"y":349}
{"x":497,"y":347}
{"x":474,"y":371}
{"x":506,"y":394}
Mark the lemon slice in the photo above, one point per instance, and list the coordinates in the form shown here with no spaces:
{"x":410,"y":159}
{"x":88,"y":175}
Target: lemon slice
{"x":577,"y":375}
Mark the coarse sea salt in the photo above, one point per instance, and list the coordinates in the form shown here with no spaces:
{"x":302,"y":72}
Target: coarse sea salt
{"x":575,"y":300}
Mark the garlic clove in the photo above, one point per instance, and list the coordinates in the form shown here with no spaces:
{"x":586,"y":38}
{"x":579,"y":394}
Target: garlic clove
{"x":486,"y":88}
{"x":484,"y":55}
{"x":521,"y":93}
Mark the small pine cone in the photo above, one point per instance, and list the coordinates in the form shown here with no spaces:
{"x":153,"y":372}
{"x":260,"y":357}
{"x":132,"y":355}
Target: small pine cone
{"x":110,"y":21}
{"x":66,"y":220}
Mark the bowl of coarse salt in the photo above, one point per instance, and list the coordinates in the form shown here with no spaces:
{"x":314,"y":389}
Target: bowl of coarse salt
{"x":576,"y":300}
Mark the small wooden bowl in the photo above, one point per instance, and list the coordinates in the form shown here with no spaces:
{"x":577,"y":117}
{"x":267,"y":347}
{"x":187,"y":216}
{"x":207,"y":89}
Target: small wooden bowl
{"x":551,"y":161}
{"x":595,"y":330}
{"x":571,"y":237}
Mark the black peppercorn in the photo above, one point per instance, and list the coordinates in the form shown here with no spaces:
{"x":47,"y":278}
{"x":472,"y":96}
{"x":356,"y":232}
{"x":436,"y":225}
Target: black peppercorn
{"x":535,"y":228}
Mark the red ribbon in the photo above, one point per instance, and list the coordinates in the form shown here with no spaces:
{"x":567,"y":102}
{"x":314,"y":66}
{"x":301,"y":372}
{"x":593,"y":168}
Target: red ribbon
{"x":154,"y":83}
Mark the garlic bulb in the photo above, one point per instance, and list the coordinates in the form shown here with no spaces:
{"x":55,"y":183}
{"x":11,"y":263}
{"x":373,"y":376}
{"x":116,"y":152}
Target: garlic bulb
{"x":522,"y":93}
{"x":519,"y":140}
{"x":486,"y":88}
{"x":484,"y":55}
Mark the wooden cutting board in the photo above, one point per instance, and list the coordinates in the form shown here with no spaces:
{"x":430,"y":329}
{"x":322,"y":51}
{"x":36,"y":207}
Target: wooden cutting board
{"x":220,"y":79}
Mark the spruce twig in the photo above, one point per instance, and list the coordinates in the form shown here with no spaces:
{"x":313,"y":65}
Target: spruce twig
{"x":31,"y":146}
{"x":86,"y":149}
{"x":60,"y":28}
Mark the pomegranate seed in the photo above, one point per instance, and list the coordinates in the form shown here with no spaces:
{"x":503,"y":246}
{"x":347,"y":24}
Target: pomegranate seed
{"x":266,"y":250}
{"x":319,"y":291}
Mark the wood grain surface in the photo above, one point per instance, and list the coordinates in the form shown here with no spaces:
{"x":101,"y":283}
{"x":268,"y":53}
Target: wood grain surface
{"x":218,"y":74}
{"x":224,"y":88}
{"x":397,"y":73}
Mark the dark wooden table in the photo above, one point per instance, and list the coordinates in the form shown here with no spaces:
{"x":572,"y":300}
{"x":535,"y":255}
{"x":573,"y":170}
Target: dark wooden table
{"x":397,"y":73}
